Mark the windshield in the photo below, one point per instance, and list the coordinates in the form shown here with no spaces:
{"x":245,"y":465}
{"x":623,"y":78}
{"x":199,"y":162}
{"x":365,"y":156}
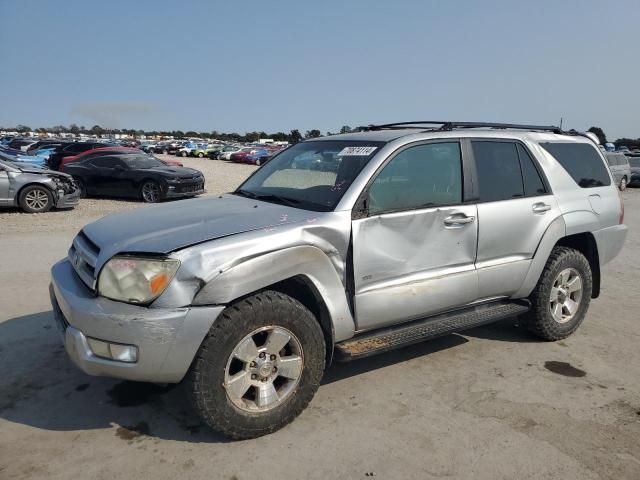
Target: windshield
{"x":142,"y":161}
{"x":313,"y":175}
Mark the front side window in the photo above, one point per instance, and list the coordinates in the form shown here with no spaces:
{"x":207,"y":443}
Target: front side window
{"x":419,"y":177}
{"x":582,"y":161}
{"x":498,"y":167}
{"x":141,"y":161}
{"x":313,"y":175}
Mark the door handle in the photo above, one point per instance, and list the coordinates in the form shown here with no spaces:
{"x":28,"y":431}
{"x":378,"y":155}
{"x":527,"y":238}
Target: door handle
{"x":540,"y":207}
{"x":458,"y":220}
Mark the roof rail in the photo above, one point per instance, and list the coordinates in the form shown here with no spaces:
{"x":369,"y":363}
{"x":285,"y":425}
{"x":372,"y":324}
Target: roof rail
{"x":446,"y":126}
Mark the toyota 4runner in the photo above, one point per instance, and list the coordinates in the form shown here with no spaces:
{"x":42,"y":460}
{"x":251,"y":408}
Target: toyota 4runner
{"x":412,"y":231}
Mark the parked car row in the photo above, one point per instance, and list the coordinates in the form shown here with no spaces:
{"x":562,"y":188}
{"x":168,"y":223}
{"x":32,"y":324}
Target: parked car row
{"x":38,"y":176}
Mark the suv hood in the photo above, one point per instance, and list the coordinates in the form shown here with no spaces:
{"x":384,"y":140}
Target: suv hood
{"x":172,"y":226}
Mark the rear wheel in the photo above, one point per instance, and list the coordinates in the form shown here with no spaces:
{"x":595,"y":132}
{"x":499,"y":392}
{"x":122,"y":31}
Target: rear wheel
{"x":259,"y":366}
{"x":561,"y":299}
{"x":165,"y":151}
{"x":200,"y":155}
{"x":623,"y":184}
{"x":150,"y":192}
{"x":35,"y":199}
{"x":184,"y":154}
{"x":258,"y":162}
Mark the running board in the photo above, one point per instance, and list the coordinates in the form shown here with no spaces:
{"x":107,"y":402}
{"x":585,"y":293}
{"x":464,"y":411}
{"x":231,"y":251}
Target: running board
{"x":390,"y":338}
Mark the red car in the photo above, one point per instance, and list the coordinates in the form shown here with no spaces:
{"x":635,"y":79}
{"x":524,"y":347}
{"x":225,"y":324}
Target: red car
{"x":173,"y":163}
{"x":251,"y":155}
{"x":96,"y":152}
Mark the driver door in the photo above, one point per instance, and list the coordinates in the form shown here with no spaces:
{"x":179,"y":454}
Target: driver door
{"x":414,"y":251}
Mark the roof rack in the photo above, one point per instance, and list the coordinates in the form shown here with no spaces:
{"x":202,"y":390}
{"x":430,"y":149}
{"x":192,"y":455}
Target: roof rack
{"x":447,"y":126}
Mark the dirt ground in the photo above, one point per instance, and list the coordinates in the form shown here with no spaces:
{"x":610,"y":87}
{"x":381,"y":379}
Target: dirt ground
{"x":493,"y":403}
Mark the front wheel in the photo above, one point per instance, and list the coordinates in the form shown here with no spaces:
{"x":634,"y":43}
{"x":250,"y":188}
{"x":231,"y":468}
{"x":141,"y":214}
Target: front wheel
{"x":259,"y":366}
{"x":36,"y":199}
{"x":200,"y":155}
{"x":623,"y":184}
{"x":258,"y":162}
{"x":561,"y":299}
{"x":81,"y":186}
{"x":150,"y":192}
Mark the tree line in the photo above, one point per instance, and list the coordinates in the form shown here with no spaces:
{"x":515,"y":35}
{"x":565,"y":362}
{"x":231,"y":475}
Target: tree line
{"x":631,"y":143}
{"x":293,"y":136}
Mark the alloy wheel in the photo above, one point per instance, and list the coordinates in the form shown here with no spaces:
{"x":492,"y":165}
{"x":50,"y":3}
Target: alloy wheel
{"x":566,"y":294}
{"x":37,"y":199}
{"x":150,"y":192}
{"x":263,"y":369}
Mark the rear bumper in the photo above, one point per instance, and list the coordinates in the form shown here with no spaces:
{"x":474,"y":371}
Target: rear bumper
{"x":167,"y":339}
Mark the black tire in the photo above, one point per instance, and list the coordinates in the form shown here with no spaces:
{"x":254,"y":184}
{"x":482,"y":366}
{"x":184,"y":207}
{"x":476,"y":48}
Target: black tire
{"x":35,"y":199}
{"x":623,"y":184}
{"x":539,"y":320}
{"x":165,"y":151}
{"x":207,"y":374}
{"x":200,"y":155}
{"x":145,"y":190}
{"x":258,"y":162}
{"x":184,"y":154}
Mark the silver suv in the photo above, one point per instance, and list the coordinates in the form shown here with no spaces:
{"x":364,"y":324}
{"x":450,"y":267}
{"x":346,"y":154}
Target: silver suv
{"x":407,"y":232}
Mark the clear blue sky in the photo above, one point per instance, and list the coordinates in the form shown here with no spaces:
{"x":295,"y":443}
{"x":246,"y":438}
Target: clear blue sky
{"x":258,"y":65}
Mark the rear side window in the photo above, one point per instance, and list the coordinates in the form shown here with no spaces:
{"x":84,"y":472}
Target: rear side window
{"x":581,"y":161}
{"x":533,"y":184}
{"x":498,"y":167}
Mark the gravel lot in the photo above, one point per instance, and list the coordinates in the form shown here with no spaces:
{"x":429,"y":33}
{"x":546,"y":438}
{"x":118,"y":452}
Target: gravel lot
{"x":489,"y":404}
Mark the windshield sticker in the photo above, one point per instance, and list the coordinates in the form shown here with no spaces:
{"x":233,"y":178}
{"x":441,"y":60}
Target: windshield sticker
{"x":357,"y":151}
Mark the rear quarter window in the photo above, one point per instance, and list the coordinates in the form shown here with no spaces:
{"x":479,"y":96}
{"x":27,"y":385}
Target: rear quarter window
{"x":582,"y":161}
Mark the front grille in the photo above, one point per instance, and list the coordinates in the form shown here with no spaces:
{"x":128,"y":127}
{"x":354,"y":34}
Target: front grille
{"x":83,"y":255}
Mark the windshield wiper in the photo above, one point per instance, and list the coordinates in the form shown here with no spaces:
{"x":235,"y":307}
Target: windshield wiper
{"x":246,"y":193}
{"x":292,"y":202}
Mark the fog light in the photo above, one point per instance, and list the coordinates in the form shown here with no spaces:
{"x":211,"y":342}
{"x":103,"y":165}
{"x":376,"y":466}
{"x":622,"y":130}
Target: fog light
{"x":113,"y":351}
{"x":124,"y":353}
{"x":100,"y":349}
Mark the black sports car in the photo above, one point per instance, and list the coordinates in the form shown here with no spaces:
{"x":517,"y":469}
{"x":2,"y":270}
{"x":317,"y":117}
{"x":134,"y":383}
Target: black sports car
{"x":134,"y":175}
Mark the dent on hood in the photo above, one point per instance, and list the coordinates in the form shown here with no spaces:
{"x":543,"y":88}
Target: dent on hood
{"x":203,"y":263}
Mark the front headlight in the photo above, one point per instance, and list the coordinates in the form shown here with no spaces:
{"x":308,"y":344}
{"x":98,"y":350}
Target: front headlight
{"x":136,"y":280}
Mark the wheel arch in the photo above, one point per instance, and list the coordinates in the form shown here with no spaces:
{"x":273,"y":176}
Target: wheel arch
{"x":562,"y":233}
{"x":31,"y":184}
{"x":303,"y":272}
{"x":586,"y":244}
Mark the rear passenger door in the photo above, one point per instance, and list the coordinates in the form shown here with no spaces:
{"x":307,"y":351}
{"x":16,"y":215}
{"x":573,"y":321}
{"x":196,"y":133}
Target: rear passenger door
{"x":515,"y":208}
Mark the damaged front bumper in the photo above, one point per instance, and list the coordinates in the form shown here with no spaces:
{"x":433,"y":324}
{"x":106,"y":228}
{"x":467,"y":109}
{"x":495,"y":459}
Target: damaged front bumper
{"x":67,"y":200}
{"x":166,"y":339}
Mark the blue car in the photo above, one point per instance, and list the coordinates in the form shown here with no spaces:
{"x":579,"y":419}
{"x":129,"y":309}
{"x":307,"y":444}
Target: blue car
{"x":27,"y":159}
